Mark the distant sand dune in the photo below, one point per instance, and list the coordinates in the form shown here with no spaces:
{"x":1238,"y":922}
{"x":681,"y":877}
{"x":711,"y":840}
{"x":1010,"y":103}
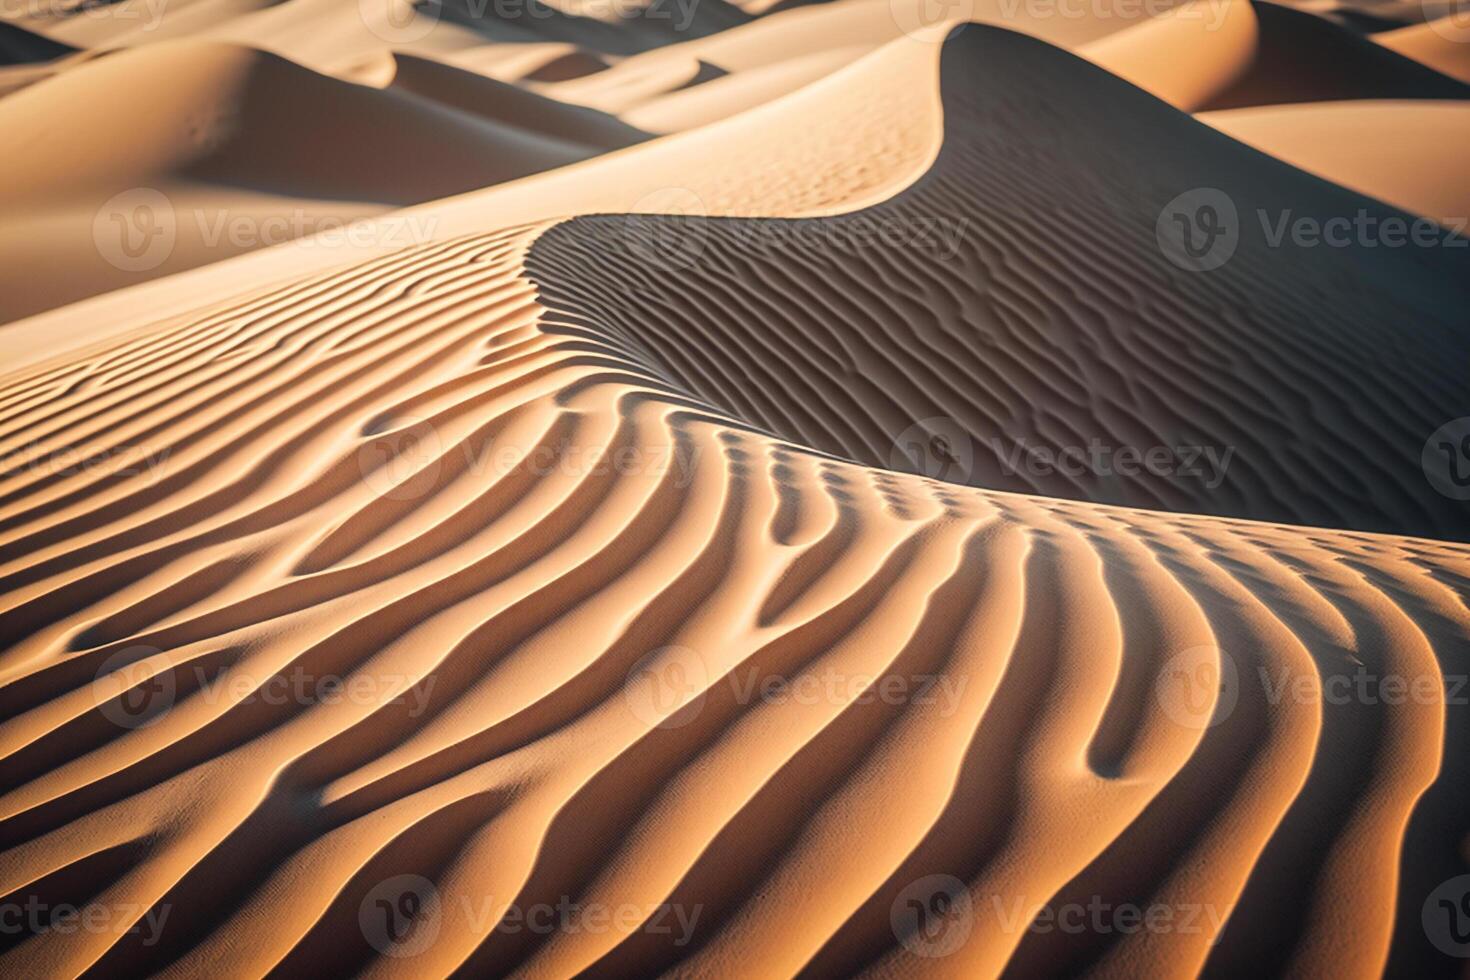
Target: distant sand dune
{"x":1303,"y":58}
{"x":1414,"y":161}
{"x":400,"y":471}
{"x":226,"y":134}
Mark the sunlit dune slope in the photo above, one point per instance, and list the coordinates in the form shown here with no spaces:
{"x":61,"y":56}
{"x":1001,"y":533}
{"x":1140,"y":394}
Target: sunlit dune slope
{"x":1415,"y":158}
{"x":553,"y":549}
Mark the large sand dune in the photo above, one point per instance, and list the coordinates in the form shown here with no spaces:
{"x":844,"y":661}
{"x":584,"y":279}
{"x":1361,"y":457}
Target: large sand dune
{"x":640,"y":593}
{"x":985,"y":304}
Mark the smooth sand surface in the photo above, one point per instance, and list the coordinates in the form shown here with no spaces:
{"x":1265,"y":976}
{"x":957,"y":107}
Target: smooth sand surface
{"x":667,"y":535}
{"x":1419,"y":149}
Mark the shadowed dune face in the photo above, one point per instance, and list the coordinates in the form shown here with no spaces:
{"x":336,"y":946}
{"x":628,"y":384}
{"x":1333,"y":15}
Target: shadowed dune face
{"x":598,"y":643}
{"x":1015,"y":319}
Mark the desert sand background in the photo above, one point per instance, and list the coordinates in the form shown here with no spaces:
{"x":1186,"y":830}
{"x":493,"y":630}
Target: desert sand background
{"x":876,"y":487}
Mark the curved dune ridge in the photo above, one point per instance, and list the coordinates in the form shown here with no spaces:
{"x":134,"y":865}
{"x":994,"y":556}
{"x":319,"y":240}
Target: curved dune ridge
{"x":1021,"y":306}
{"x":359,"y":624}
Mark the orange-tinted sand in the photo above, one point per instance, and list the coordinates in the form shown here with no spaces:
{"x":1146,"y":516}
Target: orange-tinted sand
{"x":786,"y":494}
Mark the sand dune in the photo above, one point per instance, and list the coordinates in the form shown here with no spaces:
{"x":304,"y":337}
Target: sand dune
{"x":399,"y":475}
{"x":845,"y":141}
{"x":814,"y":492}
{"x":1414,"y":161}
{"x":500,"y":102}
{"x":222,"y":149}
{"x":1022,"y":356}
{"x":1187,"y":56}
{"x":19,"y":46}
{"x":1303,"y":58}
{"x":1431,"y":45}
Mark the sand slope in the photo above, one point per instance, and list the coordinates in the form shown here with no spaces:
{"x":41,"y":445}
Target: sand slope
{"x":395,"y":475}
{"x":1019,"y":300}
{"x":229,"y":137}
{"x":1415,"y":160}
{"x":19,"y":46}
{"x":844,"y":141}
{"x":1303,"y":58}
{"x":1431,"y":47}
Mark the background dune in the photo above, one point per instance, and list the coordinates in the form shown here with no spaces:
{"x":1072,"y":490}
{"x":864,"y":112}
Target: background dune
{"x":652,"y":564}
